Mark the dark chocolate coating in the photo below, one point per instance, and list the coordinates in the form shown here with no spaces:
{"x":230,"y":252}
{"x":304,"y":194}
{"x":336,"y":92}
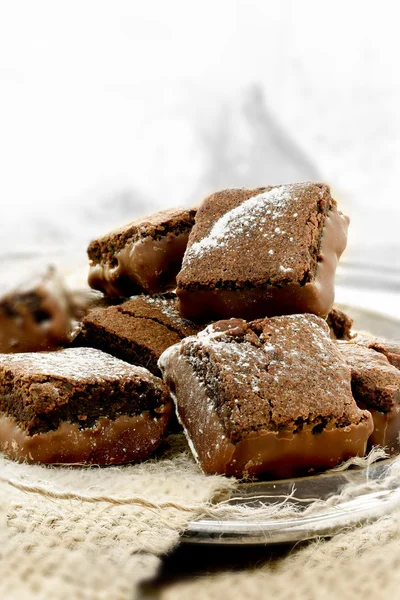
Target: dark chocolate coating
{"x":262,"y":252}
{"x":268,"y":398}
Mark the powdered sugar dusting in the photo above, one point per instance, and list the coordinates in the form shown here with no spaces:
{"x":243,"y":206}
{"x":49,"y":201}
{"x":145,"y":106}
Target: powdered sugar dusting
{"x":290,"y":370}
{"x":167,"y":306}
{"x":245,"y":218}
{"x":285,"y":269}
{"x":74,"y":364}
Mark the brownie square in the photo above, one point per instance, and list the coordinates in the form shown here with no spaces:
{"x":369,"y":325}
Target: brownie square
{"x":137,"y":331}
{"x":141,"y":257}
{"x":35,"y":316}
{"x":376,"y":386}
{"x":79,"y":405}
{"x":270,"y":398}
{"x":262,"y":252}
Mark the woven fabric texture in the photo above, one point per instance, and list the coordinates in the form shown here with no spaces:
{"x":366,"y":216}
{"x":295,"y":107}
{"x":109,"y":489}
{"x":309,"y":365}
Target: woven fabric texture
{"x":97,"y":533}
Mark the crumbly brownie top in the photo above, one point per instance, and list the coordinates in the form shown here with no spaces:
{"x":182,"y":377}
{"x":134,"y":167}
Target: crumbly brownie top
{"x":375,"y":382}
{"x":261,"y":236}
{"x":78,"y":385}
{"x":271,"y":374}
{"x":176,"y":221}
{"x":340,"y":324}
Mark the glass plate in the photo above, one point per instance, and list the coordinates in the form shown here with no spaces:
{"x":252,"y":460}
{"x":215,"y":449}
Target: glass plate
{"x":327,"y":521}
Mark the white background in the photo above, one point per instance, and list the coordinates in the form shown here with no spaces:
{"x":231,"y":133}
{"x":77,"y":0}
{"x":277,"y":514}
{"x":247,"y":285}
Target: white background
{"x":109,"y":108}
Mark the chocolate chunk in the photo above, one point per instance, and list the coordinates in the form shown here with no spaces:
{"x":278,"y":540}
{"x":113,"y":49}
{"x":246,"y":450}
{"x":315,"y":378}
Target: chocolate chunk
{"x":272,"y":397}
{"x":376,"y":386}
{"x":35,"y":316}
{"x":79,"y":405}
{"x":137,"y":331}
{"x":262,"y":252}
{"x":144,"y":256}
{"x":340,"y":324}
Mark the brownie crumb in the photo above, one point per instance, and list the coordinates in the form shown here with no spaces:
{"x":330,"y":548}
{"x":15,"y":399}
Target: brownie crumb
{"x":339,"y":324}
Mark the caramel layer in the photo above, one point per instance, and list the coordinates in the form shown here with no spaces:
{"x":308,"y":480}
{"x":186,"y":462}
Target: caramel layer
{"x":386,"y":429}
{"x":315,"y":297}
{"x":145,"y":266}
{"x":275,"y":454}
{"x":125,"y":439}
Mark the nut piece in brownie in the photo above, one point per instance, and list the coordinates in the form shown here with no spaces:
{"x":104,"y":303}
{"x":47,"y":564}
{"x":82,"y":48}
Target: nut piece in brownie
{"x":79,"y":405}
{"x":339,"y":324}
{"x":272,"y":397}
{"x":389,"y":348}
{"x":137,"y":331}
{"x":262,"y":252}
{"x":142,"y":257}
{"x":35,"y":316}
{"x":376,"y":386}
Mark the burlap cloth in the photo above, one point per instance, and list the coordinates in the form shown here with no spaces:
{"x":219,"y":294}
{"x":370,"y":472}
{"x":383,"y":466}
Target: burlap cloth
{"x":100,"y":533}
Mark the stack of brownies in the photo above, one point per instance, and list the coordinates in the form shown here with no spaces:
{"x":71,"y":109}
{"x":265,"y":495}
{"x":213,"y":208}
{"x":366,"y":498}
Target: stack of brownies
{"x":224,"y":312}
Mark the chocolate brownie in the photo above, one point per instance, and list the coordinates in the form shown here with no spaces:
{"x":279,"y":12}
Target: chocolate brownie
{"x":35,"y":316}
{"x":262,"y":252}
{"x":339,"y":324}
{"x":389,"y":348}
{"x":271,"y":397}
{"x":376,"y":386}
{"x":137,"y":331}
{"x":142,"y":257}
{"x":79,"y":405}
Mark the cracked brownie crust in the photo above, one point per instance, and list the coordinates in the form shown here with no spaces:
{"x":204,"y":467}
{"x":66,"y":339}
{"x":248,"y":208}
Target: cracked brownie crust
{"x":137,"y":331}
